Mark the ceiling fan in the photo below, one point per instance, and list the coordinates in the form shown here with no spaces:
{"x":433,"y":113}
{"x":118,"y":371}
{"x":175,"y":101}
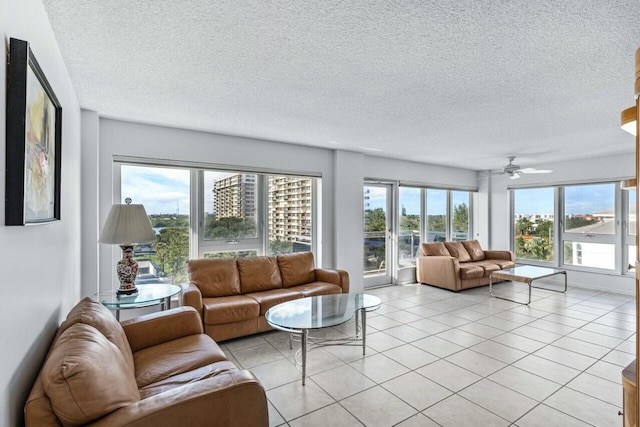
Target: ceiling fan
{"x":514,"y":171}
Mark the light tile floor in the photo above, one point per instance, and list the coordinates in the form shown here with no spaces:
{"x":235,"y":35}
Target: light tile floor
{"x":438,"y":358}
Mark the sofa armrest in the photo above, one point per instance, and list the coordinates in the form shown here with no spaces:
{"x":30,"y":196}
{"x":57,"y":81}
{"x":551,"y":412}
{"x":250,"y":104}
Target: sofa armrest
{"x":442,"y":271}
{"x":156,"y":328}
{"x":337,"y":277}
{"x":191,"y":296}
{"x":232,"y":398}
{"x":508,"y":255}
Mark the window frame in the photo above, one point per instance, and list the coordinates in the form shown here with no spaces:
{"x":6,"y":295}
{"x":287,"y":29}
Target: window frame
{"x":197,"y":244}
{"x":618,"y":239}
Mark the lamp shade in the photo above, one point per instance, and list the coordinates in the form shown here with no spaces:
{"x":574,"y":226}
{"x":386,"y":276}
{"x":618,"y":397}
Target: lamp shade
{"x":127,"y":224}
{"x":628,"y":120}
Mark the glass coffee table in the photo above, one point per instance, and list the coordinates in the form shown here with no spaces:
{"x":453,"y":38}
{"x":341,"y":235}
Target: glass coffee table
{"x":526,"y":274}
{"x":300,"y":316}
{"x":148,"y":295}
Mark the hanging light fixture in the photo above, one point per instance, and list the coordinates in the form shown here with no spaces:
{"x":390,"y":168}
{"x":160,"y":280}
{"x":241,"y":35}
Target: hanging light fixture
{"x":628,"y":120}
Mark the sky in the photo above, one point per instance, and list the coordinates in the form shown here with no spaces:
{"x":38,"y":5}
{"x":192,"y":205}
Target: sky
{"x":579,"y":199}
{"x":166,"y":190}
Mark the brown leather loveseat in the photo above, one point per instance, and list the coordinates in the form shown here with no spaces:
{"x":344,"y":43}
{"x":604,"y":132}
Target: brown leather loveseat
{"x":156,"y":370}
{"x":233,"y":295}
{"x":459,"y":265}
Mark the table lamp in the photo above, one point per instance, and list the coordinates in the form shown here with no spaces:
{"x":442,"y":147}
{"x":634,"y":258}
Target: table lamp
{"x":127,"y":224}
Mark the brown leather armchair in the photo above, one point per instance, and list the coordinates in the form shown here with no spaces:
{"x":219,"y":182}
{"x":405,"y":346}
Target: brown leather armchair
{"x":156,"y":370}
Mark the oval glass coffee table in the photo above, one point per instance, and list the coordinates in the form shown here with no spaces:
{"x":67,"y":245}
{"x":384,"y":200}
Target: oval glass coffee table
{"x":300,"y":316}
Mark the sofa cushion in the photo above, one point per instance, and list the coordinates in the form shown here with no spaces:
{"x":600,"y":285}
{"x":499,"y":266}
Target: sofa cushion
{"x":86,"y":376}
{"x":317,"y":288}
{"x":456,"y":249}
{"x":434,"y":249}
{"x":474,"y":249}
{"x":95,"y":314}
{"x":204,"y":372}
{"x":471,"y":271}
{"x":215,"y":277}
{"x":488,"y":266}
{"x":502,"y":263}
{"x":297,"y":269}
{"x":259,"y":274}
{"x":218,"y":311}
{"x":175,"y":357}
{"x":268,"y":299}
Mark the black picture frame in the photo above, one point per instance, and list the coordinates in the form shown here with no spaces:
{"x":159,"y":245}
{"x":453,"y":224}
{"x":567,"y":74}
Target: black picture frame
{"x":34,"y":140}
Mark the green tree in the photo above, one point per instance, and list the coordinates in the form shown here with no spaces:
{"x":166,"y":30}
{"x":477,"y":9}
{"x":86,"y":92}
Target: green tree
{"x":523,"y":227}
{"x":409,"y":222}
{"x":437,"y":223}
{"x":461,"y":217}
{"x":230,"y":228}
{"x":544,"y":229}
{"x":375,"y":220}
{"x":278,"y":247}
{"x":172,"y":248}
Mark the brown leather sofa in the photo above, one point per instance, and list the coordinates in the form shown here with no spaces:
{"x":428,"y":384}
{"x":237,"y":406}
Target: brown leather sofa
{"x":233,"y":295}
{"x":156,"y":370}
{"x":459,"y":265}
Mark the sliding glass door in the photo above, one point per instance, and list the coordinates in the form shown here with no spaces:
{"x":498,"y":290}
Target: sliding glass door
{"x":377,"y":234}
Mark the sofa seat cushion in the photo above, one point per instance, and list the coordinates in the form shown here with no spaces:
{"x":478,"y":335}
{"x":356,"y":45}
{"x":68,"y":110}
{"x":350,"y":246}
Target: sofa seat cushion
{"x":297,"y":269}
{"x":86,"y":376}
{"x":259,"y":274}
{"x":188,"y":377}
{"x":317,"y":288}
{"x":456,"y":249}
{"x":488,"y":265}
{"x":268,"y":299}
{"x":175,"y":357}
{"x":434,"y":249}
{"x":95,"y":314}
{"x":475,"y":250}
{"x":503,"y":263}
{"x":229,"y":309}
{"x":471,"y":271}
{"x":215,"y":277}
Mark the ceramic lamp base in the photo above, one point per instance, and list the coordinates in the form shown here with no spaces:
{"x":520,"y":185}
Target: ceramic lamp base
{"x":127,"y":269}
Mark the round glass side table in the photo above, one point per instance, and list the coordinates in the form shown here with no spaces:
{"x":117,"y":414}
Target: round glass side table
{"x":148,"y":295}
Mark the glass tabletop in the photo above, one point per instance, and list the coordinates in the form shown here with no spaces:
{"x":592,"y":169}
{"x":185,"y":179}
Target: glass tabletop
{"x":147,"y":294}
{"x":530,"y":271}
{"x":319,"y":311}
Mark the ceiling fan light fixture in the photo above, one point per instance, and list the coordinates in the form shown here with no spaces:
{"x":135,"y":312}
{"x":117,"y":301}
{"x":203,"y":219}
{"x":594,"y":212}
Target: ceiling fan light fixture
{"x":514,"y":175}
{"x":628,"y":120}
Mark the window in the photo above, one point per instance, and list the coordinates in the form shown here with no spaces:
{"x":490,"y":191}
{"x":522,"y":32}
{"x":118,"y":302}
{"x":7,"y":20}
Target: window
{"x":629,"y":235}
{"x":164,"y":193}
{"x":459,"y":215}
{"x":436,"y":215}
{"x":409,"y":223}
{"x":590,"y":224}
{"x":596,"y":230}
{"x":534,"y":223}
{"x":242,"y":214}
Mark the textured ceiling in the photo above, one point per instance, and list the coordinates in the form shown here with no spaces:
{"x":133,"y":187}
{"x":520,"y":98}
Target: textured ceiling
{"x":452,"y":82}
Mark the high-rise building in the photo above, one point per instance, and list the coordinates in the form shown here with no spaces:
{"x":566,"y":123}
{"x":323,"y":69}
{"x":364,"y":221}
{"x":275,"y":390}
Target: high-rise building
{"x":235,"y":196}
{"x":290,"y":212}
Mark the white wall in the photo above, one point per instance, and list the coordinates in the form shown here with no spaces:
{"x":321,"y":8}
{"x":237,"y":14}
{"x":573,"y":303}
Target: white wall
{"x":40,"y":264}
{"x":612,"y":168}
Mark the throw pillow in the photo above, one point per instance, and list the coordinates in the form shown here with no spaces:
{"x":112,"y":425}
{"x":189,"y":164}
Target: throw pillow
{"x":456,"y":249}
{"x":474,"y":249}
{"x":86,"y":376}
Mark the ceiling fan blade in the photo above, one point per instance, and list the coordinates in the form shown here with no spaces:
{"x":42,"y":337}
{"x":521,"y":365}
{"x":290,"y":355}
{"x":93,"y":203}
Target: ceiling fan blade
{"x":532,"y":170}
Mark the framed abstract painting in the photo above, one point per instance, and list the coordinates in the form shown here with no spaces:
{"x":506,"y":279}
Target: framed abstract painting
{"x":34,"y":133}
